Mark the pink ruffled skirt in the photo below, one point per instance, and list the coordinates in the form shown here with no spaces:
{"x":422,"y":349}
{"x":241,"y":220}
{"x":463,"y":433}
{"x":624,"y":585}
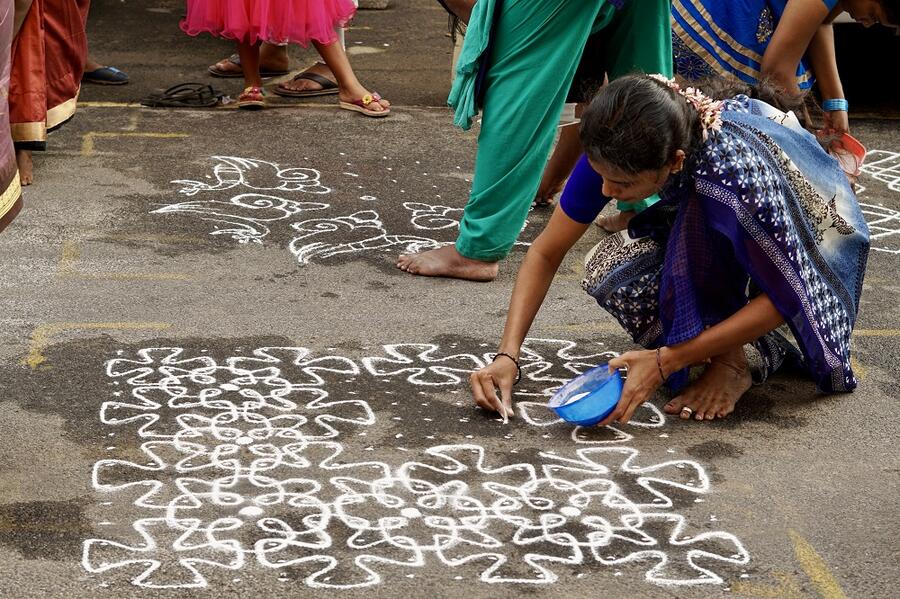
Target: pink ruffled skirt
{"x":275,"y":21}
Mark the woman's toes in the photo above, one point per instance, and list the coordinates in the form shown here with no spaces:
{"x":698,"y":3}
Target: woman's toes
{"x":674,"y":406}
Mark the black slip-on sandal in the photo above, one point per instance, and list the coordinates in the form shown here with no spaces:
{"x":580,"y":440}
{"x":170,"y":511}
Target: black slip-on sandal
{"x":184,"y":95}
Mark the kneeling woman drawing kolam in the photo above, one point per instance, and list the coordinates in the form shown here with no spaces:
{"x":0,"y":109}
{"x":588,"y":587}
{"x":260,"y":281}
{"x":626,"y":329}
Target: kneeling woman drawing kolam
{"x":757,"y":227}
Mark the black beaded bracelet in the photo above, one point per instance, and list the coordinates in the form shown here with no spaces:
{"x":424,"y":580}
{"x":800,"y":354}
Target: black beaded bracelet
{"x":516,"y":362}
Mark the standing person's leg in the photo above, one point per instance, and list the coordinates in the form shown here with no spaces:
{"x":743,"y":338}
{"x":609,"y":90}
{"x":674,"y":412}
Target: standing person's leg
{"x":273,"y":61}
{"x":639,"y":38}
{"x":252,"y":97}
{"x":317,"y":79}
{"x":564,"y":158}
{"x":23,"y":153}
{"x":48,"y":57}
{"x":249,"y":54}
{"x":537,"y":46}
{"x":351,"y":90}
{"x":589,"y":77}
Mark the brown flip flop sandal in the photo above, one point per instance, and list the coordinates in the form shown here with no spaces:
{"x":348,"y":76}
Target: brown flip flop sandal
{"x":236,"y":60}
{"x":329,"y":87}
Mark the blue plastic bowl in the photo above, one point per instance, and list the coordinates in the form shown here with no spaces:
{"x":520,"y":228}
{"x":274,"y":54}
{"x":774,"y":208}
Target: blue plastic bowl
{"x":589,"y":398}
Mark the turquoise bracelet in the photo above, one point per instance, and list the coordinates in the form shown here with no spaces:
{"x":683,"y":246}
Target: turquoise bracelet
{"x":835,"y":105}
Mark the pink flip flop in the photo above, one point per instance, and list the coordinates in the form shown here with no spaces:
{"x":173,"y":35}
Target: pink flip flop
{"x":362,"y":106}
{"x":252,"y":98}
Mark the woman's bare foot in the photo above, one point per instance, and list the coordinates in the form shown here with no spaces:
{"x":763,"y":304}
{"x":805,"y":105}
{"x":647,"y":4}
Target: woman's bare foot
{"x":615,"y":223}
{"x":715,"y":393}
{"x":309,"y":85}
{"x":26,"y":167}
{"x":447,"y":262}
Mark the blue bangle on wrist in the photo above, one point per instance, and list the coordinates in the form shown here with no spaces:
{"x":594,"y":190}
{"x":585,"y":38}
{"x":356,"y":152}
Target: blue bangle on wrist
{"x":835,"y":105}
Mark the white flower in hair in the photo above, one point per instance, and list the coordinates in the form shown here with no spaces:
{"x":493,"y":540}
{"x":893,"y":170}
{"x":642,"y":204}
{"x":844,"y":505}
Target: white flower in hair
{"x":708,"y":110}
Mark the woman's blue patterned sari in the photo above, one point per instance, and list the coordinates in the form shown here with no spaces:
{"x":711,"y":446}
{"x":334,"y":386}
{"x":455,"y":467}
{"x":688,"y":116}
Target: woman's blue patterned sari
{"x":762,"y":209}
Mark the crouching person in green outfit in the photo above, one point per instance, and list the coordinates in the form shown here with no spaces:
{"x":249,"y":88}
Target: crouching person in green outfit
{"x":517,"y":64}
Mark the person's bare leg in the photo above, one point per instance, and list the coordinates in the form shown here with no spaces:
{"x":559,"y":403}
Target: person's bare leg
{"x":564,"y":158}
{"x":271,"y":58}
{"x":447,"y":262}
{"x":91,"y":65}
{"x":350,"y":88}
{"x":461,"y":8}
{"x":302,"y":85}
{"x":23,"y":157}
{"x":26,"y":167}
{"x":249,"y":54}
{"x":714,"y":395}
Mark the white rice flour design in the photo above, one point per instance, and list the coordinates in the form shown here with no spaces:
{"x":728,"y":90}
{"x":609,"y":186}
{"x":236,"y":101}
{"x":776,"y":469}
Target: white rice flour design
{"x":365,"y":226}
{"x":262,"y":459}
{"x":248,"y":217}
{"x":231,"y":172}
{"x":883,"y":166}
{"x":436,"y":218}
{"x":433,"y":218}
{"x":884,"y":227}
{"x":252,"y":216}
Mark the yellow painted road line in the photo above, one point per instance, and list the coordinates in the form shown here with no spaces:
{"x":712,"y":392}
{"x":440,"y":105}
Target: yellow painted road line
{"x":858,"y":369}
{"x":816,"y":568}
{"x":787,"y":588}
{"x":109,"y":105}
{"x":87,"y":141}
{"x":876,"y":333}
{"x":68,"y":256}
{"x":40,"y":337}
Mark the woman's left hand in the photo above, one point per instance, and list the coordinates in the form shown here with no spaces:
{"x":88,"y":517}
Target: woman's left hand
{"x":642,"y":382}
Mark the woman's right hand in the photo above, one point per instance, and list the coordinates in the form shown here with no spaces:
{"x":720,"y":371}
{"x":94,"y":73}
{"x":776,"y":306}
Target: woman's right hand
{"x":499,"y":374}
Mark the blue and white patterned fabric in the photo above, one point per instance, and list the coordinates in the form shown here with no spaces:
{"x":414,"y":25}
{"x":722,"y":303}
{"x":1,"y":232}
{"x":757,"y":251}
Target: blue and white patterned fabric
{"x":728,"y":37}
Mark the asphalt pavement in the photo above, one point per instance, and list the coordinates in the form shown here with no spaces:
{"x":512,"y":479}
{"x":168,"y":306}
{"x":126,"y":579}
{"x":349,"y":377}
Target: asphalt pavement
{"x":214,"y":382}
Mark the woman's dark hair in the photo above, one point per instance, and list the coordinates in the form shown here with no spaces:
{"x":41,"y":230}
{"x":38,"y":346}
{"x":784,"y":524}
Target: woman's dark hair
{"x":637,"y":123}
